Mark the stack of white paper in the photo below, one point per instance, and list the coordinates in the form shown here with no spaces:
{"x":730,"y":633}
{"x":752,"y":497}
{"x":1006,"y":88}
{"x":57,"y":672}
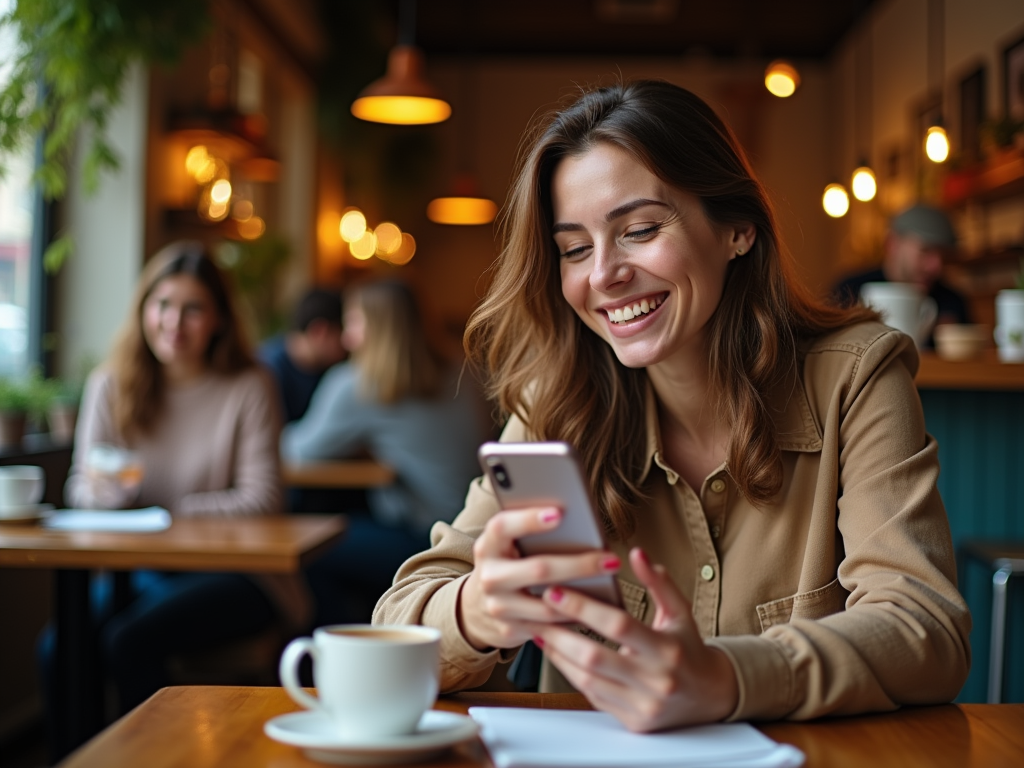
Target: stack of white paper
{"x":149,"y":520}
{"x":545,"y":738}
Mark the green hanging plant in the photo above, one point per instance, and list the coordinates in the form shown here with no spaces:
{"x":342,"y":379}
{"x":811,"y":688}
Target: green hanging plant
{"x":65,"y":75}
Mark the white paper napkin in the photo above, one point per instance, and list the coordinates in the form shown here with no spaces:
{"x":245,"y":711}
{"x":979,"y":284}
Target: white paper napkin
{"x":148,"y":520}
{"x":545,"y":738}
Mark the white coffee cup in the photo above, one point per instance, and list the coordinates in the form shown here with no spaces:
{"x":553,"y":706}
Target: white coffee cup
{"x":902,"y":307}
{"x":372,"y":681}
{"x":21,"y":486}
{"x":1009,"y":330}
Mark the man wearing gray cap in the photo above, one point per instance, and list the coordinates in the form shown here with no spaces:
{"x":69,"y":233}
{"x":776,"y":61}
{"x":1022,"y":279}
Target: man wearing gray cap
{"x":919,"y":240}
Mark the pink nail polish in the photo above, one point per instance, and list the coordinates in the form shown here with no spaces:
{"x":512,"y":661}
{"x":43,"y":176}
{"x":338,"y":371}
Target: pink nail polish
{"x":556,"y":594}
{"x":550,"y":515}
{"x":611,"y":563}
{"x":643,"y":557}
{"x":538,"y":641}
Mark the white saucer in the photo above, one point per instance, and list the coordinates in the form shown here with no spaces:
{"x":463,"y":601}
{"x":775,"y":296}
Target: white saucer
{"x":26,"y":513}
{"x":314,"y":733}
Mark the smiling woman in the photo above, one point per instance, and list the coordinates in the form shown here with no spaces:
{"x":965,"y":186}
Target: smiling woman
{"x":759,"y":459}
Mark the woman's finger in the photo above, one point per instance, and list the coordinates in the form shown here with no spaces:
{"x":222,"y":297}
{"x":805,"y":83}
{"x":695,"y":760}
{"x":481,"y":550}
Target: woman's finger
{"x":672,"y":607}
{"x":500,"y":534}
{"x":503,"y":575}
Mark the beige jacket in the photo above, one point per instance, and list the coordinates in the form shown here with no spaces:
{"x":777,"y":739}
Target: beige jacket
{"x":839,"y":598}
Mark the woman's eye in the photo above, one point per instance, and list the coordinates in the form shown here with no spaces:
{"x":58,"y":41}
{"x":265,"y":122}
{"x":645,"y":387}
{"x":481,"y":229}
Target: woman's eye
{"x":574,"y":252}
{"x":640,"y":234}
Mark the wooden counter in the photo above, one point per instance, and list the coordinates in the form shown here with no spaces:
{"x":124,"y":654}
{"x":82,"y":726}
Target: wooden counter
{"x":986,"y":372}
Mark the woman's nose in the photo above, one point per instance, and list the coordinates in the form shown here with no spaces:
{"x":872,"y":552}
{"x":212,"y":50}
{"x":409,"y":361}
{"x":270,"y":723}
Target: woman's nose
{"x":611,"y":267}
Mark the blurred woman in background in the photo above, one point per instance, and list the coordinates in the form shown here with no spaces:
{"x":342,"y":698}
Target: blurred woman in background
{"x":399,"y":401}
{"x":182,"y":396}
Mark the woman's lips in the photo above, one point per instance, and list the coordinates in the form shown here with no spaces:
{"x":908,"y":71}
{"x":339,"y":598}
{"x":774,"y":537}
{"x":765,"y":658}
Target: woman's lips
{"x":635,"y":310}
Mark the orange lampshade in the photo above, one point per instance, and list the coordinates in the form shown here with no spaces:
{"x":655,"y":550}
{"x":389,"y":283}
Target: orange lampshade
{"x":403,"y":96}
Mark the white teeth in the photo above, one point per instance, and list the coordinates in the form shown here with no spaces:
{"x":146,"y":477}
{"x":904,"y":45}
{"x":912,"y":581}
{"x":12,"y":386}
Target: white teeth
{"x":643,"y":307}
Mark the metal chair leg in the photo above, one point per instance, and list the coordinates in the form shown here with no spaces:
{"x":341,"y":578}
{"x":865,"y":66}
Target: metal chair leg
{"x":995,"y":662}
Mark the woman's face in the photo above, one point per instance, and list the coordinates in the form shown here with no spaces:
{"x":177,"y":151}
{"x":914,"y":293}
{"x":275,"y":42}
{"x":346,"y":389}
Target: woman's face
{"x":179,"y":318}
{"x":640,"y":263}
{"x":354,"y":328}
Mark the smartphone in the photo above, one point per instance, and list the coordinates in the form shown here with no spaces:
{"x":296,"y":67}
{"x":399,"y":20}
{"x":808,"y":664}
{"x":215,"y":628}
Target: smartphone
{"x":550,"y":475}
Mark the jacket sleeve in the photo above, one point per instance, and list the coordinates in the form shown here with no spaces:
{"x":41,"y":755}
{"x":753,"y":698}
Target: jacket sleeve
{"x":903,"y":638}
{"x":426,"y":587}
{"x":256,"y":471}
{"x":334,"y":425}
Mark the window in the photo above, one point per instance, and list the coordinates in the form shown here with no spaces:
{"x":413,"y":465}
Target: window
{"x":17,"y":257}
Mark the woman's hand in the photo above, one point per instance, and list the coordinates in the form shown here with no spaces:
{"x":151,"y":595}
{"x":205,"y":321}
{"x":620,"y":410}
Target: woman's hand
{"x":662,"y":676}
{"x":495,"y":608}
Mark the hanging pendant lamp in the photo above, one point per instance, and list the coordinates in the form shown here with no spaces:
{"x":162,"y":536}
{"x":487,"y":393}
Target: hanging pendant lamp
{"x":465,"y":206}
{"x":403,"y":96}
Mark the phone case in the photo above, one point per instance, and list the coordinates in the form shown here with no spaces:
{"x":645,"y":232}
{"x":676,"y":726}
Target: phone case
{"x":549,"y":474}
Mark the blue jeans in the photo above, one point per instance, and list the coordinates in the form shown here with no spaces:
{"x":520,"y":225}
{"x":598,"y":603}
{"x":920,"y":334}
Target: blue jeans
{"x":347,"y":581}
{"x":172,"y":613}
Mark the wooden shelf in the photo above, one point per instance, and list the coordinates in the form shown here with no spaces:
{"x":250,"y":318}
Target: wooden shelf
{"x":999,"y":177}
{"x":986,"y":372}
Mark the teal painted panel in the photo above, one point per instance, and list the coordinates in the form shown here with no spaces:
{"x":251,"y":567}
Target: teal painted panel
{"x":981,"y":453}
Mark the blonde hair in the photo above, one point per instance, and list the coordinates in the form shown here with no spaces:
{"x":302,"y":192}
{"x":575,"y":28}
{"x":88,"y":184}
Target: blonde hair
{"x":395,"y":359}
{"x":563,"y":380}
{"x":137,"y":373}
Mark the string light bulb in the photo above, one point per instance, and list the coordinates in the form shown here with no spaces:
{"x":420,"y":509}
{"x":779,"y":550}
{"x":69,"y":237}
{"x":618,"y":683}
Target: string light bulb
{"x":835,"y":201}
{"x":781,"y":79}
{"x":936,"y":144}
{"x":863,"y":183}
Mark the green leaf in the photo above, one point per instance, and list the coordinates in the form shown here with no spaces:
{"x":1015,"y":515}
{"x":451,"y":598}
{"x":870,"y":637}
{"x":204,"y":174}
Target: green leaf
{"x":57,"y":253}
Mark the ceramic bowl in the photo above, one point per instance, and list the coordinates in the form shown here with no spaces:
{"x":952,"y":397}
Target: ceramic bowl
{"x":960,"y":342}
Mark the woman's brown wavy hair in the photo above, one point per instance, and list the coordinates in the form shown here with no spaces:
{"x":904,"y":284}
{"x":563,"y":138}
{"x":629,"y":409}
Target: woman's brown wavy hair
{"x":562,"y":379}
{"x":138,"y":375}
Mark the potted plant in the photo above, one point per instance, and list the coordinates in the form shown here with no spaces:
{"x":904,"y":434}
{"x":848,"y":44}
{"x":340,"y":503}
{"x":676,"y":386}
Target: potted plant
{"x":16,"y":402}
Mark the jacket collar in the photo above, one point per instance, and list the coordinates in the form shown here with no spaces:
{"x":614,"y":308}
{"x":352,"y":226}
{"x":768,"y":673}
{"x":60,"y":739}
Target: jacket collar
{"x":795,"y":428}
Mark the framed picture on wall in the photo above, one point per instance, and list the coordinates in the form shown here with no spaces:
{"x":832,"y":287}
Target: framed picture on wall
{"x":1013,"y":80}
{"x":972,"y":114}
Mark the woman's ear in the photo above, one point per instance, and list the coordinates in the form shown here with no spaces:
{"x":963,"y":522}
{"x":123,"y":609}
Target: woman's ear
{"x":743,"y":236}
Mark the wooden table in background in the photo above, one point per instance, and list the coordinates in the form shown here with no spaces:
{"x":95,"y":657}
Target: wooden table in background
{"x":985,"y":372}
{"x":341,"y":473}
{"x":222,"y":727}
{"x":271,"y":544}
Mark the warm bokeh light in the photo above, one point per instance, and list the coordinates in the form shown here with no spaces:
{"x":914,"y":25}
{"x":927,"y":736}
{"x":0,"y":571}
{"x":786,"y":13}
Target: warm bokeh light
{"x":936,"y":144}
{"x":401,"y":110}
{"x":220,"y":192}
{"x":252,"y":228}
{"x":462,"y":210}
{"x":242,"y":210}
{"x":835,"y":201}
{"x":365,"y":246}
{"x":405,"y":251}
{"x":196,"y":160}
{"x":353,"y":225}
{"x":863,"y":184}
{"x":781,"y":79}
{"x":389,"y":238}
{"x":216,"y":211}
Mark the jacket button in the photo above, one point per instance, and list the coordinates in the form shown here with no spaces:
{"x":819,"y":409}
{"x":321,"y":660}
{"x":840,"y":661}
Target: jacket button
{"x":718,"y":485}
{"x":707,"y":573}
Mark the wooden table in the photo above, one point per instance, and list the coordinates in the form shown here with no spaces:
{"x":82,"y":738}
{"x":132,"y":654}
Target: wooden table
{"x":222,"y":727}
{"x":278,"y":544}
{"x":341,"y":473}
{"x":985,"y":372}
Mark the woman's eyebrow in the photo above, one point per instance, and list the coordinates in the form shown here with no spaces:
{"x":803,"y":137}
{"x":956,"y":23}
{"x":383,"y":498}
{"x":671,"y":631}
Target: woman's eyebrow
{"x":613,"y":214}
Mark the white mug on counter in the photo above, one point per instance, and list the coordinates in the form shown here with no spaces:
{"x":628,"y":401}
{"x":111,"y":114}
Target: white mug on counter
{"x":1009,"y":330}
{"x":21,"y":489}
{"x":902,"y":307}
{"x":371,"y":681}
